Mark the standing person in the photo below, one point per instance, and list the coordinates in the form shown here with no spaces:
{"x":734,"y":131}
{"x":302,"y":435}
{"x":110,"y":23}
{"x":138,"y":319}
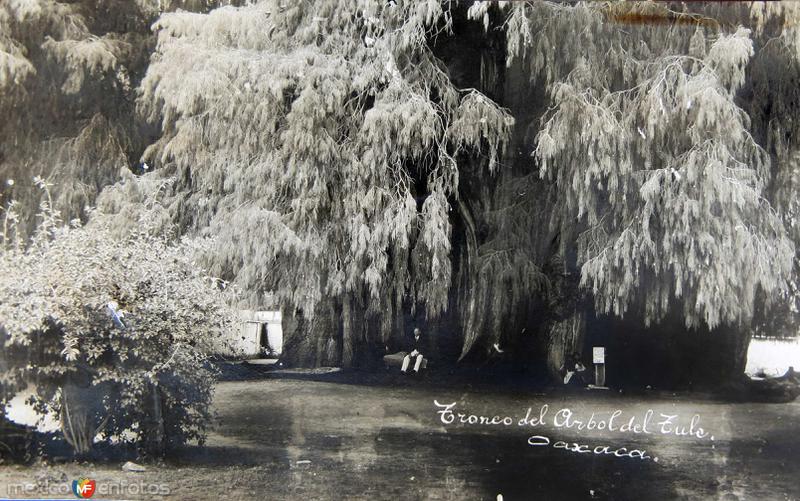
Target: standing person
{"x":415,"y":347}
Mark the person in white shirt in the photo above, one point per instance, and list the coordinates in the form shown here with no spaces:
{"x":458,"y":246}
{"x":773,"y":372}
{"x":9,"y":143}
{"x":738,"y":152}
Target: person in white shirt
{"x":415,"y":349}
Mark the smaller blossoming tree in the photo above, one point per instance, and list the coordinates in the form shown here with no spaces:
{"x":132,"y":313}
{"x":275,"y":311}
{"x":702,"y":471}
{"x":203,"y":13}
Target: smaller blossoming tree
{"x":113,"y":326}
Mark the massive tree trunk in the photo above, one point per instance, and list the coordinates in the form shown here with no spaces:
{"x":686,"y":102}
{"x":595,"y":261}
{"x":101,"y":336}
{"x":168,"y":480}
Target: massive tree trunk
{"x":354,"y":331}
{"x":311,"y":342}
{"x":668,"y":354}
{"x":340,"y":334}
{"x":565,"y":337}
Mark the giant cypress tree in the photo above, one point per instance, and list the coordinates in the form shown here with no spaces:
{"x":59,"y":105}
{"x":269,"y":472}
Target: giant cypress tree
{"x":354,"y":163}
{"x":68,"y":76}
{"x":657,"y":172}
{"x":322,"y":141}
{"x":772,"y":101}
{"x":657,"y":179}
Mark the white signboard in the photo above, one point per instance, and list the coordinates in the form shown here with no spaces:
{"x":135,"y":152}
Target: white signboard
{"x":599,"y":355}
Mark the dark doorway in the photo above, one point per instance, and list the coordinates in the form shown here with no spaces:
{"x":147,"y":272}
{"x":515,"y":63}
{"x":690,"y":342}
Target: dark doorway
{"x":263,"y":339}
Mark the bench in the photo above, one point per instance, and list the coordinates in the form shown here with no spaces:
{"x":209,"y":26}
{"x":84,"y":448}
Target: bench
{"x":396,"y":360}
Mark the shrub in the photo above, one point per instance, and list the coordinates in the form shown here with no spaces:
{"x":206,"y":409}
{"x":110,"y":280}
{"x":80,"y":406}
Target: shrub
{"x":112,"y":325}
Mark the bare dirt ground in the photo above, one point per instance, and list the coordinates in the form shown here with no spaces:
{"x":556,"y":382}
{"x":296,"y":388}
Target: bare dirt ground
{"x":291,"y":438}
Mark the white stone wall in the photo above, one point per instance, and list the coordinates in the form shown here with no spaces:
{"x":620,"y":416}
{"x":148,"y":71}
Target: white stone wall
{"x":245,"y":342}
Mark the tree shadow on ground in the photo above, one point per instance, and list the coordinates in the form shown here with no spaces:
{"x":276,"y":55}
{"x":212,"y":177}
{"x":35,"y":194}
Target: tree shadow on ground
{"x":437,"y":377}
{"x":463,"y":462}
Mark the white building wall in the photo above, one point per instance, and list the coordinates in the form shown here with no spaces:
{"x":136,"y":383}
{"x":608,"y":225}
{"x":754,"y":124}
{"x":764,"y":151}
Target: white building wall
{"x":245,"y":342}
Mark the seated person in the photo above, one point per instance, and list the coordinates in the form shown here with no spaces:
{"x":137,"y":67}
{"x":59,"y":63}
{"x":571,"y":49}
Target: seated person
{"x":415,"y":348}
{"x":574,"y":370}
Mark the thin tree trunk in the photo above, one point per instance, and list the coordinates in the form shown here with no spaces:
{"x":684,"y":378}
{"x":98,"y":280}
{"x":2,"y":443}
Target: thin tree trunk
{"x":158,"y":417}
{"x":399,"y":324}
{"x":76,"y":425}
{"x":347,"y":332}
{"x":470,"y":333}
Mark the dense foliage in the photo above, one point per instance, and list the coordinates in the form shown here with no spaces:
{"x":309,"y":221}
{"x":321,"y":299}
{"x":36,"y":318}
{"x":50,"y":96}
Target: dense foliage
{"x":649,"y":148}
{"x":501,"y":170}
{"x":68,"y":77}
{"x":113,"y":327}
